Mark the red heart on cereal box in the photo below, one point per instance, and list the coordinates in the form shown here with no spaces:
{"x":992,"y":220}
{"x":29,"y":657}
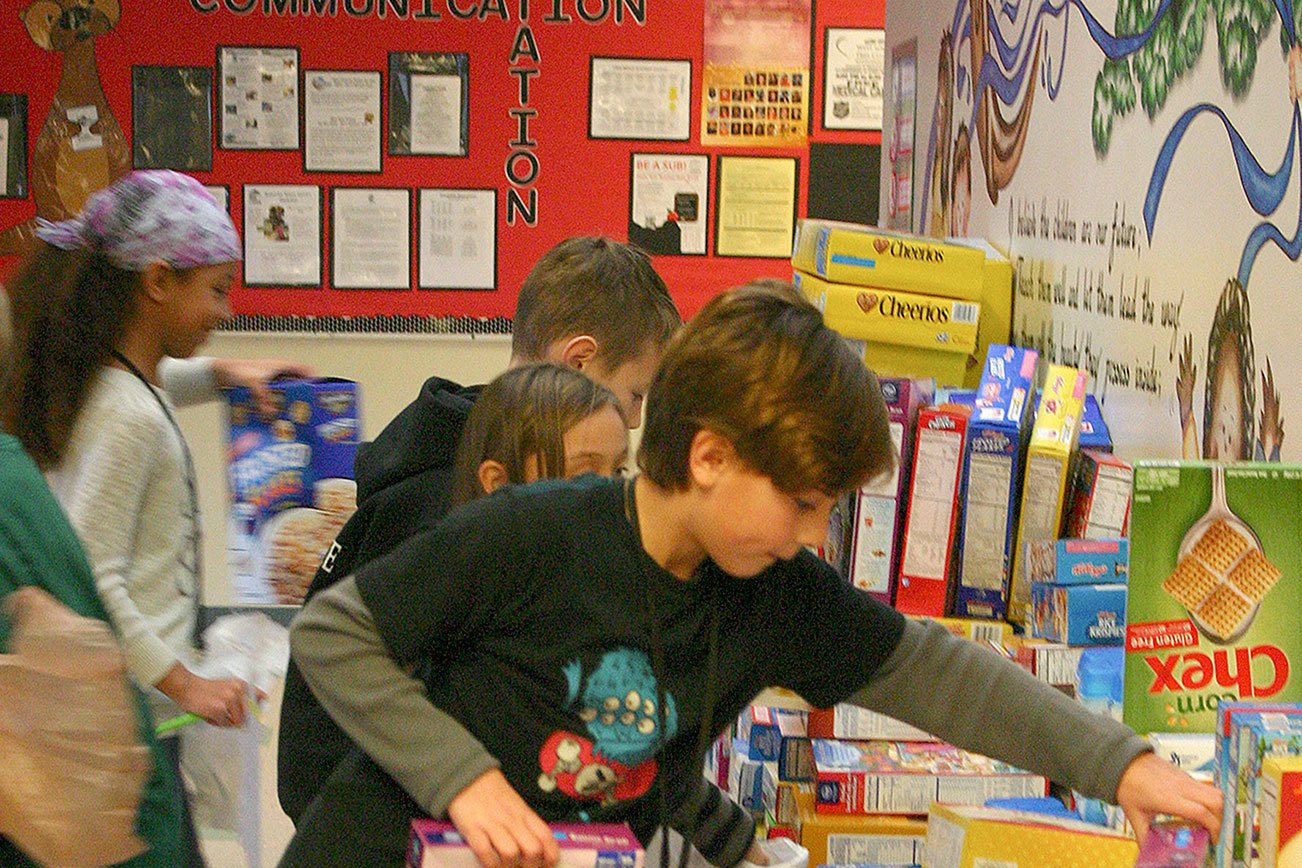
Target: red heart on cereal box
{"x":867,"y":301}
{"x":881,"y":244}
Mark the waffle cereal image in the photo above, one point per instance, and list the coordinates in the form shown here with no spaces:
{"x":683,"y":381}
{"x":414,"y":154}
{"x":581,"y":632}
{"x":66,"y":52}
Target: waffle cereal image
{"x":1215,"y":588}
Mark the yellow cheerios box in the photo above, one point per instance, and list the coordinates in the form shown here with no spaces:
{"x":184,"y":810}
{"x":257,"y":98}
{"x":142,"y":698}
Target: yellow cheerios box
{"x":902,"y":334}
{"x":870,"y":256}
{"x":971,"y":837}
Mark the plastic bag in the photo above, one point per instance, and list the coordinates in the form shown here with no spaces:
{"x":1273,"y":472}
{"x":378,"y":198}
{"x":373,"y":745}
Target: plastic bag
{"x":70,"y":738}
{"x":222,"y":765}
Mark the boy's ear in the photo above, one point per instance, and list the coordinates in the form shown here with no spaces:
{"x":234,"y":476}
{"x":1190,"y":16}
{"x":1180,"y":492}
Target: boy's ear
{"x":492,"y":475}
{"x":578,"y":352}
{"x":157,"y":281}
{"x":707,"y":457}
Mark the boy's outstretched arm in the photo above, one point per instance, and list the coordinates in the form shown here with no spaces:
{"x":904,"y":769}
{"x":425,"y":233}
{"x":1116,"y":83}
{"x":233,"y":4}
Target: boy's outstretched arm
{"x":337,"y":646}
{"x":722,"y":831}
{"x":980,"y":701}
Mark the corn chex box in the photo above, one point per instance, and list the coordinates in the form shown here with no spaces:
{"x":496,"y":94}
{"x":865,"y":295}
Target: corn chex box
{"x":971,"y":837}
{"x":899,"y":333}
{"x":886,"y":777}
{"x":1214,"y":591}
{"x":992,"y":468}
{"x":1048,"y":459}
{"x":869,"y":256}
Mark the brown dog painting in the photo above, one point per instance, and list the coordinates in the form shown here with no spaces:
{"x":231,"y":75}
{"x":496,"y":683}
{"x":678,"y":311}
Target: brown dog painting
{"x":80,"y":148}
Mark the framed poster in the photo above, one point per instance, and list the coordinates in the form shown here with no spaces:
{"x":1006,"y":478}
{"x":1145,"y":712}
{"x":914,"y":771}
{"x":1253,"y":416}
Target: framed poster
{"x":755,"y":212}
{"x":259,"y":98}
{"x":282,"y":235}
{"x":370,"y":236}
{"x":636,"y":98}
{"x":458,"y":239}
{"x":854,"y":64}
{"x":13,"y":146}
{"x":171,"y":118}
{"x":341,"y":121}
{"x":429,"y":103}
{"x":667,"y":200}
{"x":221,"y":193}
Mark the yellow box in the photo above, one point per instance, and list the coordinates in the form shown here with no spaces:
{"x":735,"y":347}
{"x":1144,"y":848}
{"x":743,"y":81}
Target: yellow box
{"x":833,"y":839}
{"x":903,"y":334}
{"x":1281,"y":812}
{"x":869,"y":256}
{"x":978,"y":629}
{"x":996,"y":323}
{"x":969,"y":837}
{"x":1048,"y":458}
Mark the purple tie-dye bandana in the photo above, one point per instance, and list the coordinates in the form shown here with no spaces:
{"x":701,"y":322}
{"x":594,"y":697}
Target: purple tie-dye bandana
{"x":150,"y":216}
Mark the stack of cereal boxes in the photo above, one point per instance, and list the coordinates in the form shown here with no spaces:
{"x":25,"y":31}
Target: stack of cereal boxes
{"x":917,"y":307}
{"x":1212,"y":633}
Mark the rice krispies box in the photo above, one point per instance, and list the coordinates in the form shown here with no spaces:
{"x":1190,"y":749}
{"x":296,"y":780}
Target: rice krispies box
{"x":291,"y":484}
{"x":1214,"y":591}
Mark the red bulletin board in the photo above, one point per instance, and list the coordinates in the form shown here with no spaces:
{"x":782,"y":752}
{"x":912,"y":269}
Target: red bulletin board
{"x":582,"y":186}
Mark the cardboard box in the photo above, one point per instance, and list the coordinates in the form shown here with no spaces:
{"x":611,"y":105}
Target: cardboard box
{"x":1281,"y":812}
{"x":1195,"y":752}
{"x":1174,"y":844}
{"x":856,"y":839}
{"x":1048,"y":459}
{"x":1078,"y":561}
{"x":870,"y":256}
{"x":1094,"y":433}
{"x":992,"y":469}
{"x":291,"y":484}
{"x":751,"y":782}
{"x":897,"y":333}
{"x":1079,"y":614}
{"x":852,"y":723}
{"x":931,"y":520}
{"x":982,"y":630}
{"x":1252,"y":739}
{"x":878,"y":517}
{"x":436,"y":844}
{"x":970,"y":837}
{"x":996,"y":323}
{"x":1100,"y":496}
{"x":883,"y":777}
{"x":761,"y":729}
{"x":1180,"y":667}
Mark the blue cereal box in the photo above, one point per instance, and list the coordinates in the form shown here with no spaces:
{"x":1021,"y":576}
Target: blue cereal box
{"x":1078,"y":561}
{"x":291,"y":484}
{"x":992,"y":466}
{"x":1079,"y":614}
{"x":1094,"y":432}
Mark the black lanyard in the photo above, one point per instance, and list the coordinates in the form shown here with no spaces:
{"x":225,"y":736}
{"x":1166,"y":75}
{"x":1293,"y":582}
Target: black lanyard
{"x":658,"y":666}
{"x":190,"y":485}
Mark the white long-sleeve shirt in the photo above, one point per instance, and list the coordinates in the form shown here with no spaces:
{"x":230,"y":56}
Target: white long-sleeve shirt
{"x":123,"y":483}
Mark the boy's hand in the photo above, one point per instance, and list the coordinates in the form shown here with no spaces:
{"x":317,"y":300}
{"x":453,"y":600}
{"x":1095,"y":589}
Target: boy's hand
{"x":501,"y":830}
{"x":1150,"y":786}
{"x":254,"y":374}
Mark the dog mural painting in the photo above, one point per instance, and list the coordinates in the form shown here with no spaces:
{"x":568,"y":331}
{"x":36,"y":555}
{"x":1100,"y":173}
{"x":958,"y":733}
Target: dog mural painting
{"x":80,"y":148}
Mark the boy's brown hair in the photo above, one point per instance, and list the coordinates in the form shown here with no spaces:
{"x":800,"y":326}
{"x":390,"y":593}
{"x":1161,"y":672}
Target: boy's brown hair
{"x":597,"y":287}
{"x":758,"y":366}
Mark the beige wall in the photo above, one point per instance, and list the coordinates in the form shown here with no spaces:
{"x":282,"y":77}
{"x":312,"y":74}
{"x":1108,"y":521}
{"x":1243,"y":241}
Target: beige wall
{"x":389,"y":369}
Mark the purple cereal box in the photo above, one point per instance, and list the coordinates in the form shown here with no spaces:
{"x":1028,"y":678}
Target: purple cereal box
{"x":291,"y":484}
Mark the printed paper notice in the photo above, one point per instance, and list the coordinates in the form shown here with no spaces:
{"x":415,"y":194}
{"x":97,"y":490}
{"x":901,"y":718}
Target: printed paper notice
{"x":372,"y":231}
{"x":640,"y":99}
{"x":852,"y":89}
{"x":458,"y":239}
{"x":757,"y":206}
{"x":342,"y":121}
{"x":282,"y":235}
{"x":435,"y":114}
{"x":666,"y":211}
{"x":259,"y":98}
